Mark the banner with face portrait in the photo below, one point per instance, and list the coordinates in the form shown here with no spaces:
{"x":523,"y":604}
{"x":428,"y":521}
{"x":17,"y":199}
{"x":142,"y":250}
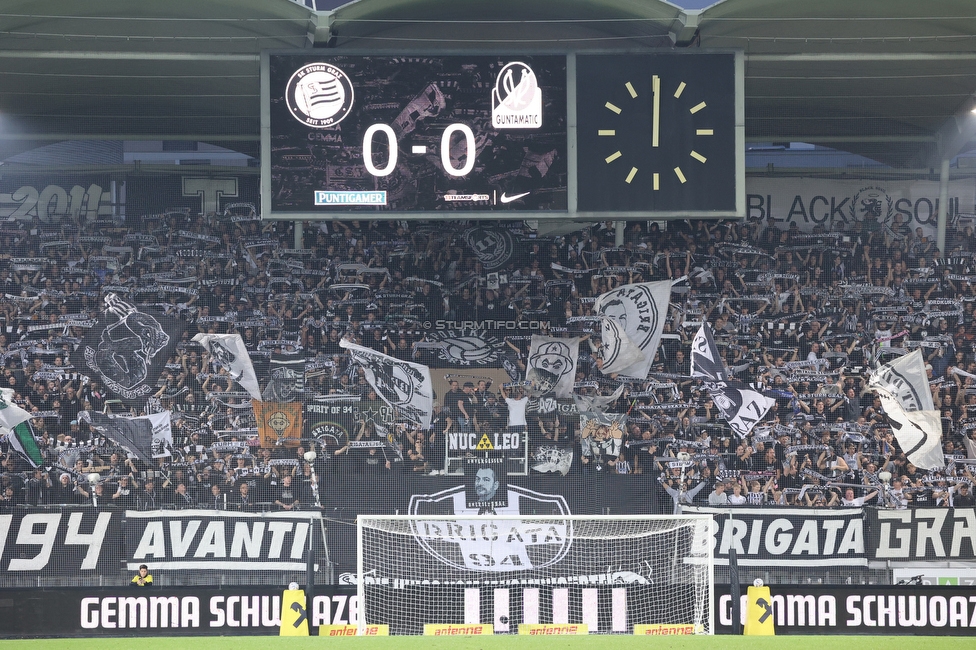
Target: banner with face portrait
{"x":633,"y":321}
{"x":128,"y":349}
{"x":486,"y":485}
{"x":551,"y":366}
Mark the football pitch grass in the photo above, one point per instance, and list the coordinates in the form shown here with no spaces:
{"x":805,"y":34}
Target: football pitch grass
{"x":595,"y":642}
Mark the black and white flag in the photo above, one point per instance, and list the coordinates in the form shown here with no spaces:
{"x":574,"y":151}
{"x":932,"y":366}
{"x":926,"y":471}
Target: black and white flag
{"x":135,"y":435}
{"x":553,"y":458}
{"x":403,"y":385}
{"x":551,"y":367}
{"x":286,"y":378}
{"x":229,"y":352}
{"x":127,"y":349}
{"x":903,"y":387}
{"x":741,"y":406}
{"x":633,"y":320}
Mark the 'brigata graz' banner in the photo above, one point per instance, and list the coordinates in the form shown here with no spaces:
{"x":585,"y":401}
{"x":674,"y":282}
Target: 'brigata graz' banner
{"x":788,"y":536}
{"x":82,"y":541}
{"x":922,"y":534}
{"x":218,"y":540}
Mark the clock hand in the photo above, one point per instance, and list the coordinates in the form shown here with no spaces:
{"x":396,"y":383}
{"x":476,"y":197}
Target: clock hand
{"x":656,"y":116}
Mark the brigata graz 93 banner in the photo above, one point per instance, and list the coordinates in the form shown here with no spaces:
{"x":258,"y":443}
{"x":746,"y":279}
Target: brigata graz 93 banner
{"x":408,"y":133}
{"x":923,"y":534}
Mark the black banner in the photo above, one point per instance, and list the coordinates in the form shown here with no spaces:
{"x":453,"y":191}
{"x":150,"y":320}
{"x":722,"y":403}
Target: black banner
{"x":861,"y":609}
{"x":788,"y":536}
{"x":923,"y":534}
{"x":59,"y":542}
{"x":132,"y":611}
{"x":218,"y":541}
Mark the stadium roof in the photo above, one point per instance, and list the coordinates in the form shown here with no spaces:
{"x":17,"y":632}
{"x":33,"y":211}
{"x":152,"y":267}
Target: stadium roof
{"x":893,"y":80}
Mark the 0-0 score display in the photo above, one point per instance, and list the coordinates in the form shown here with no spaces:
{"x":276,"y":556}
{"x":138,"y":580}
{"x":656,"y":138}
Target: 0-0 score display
{"x":407,"y":134}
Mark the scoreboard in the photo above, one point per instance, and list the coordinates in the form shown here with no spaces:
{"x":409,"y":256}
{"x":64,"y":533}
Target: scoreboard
{"x":521,"y":136}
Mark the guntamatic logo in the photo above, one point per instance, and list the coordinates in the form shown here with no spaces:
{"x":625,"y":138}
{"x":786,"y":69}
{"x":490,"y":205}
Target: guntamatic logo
{"x":516,"y":100}
{"x":473,"y":543}
{"x":319,"y":95}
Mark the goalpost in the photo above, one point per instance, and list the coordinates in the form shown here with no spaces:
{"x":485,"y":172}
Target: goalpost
{"x":525,"y":574}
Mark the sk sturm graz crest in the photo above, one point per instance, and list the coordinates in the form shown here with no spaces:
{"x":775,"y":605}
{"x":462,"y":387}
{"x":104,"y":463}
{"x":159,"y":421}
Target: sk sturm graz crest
{"x":319,"y":95}
{"x":493,"y":546}
{"x":131,"y":348}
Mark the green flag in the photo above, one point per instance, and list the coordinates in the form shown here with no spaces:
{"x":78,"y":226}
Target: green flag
{"x":17,"y":420}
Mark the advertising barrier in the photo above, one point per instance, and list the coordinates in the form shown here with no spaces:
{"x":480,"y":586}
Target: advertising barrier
{"x":861,"y":609}
{"x":124,"y":611}
{"x":132,"y":611}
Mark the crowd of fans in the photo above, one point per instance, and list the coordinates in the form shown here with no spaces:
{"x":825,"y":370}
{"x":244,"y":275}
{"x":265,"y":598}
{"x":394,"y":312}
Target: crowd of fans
{"x":803,"y":317}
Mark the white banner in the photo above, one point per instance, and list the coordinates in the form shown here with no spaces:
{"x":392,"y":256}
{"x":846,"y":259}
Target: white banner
{"x":551,"y":367}
{"x":839,"y":205}
{"x":633,"y":320}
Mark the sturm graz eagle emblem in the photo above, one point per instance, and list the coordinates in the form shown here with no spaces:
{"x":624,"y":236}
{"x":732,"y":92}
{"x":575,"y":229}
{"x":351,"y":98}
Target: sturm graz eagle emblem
{"x":469,"y":348}
{"x":474,"y":544}
{"x":127,"y":349}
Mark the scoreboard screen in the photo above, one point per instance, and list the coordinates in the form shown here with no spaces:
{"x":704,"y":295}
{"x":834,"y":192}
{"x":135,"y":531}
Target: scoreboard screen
{"x":368,"y":134}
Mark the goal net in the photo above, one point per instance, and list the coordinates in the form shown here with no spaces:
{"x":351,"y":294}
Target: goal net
{"x":637,"y":574}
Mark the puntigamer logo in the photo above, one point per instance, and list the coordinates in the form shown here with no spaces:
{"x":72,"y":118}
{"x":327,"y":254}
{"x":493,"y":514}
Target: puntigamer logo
{"x":319,"y":95}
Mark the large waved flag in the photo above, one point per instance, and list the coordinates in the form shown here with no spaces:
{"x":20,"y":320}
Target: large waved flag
{"x":551,"y":366}
{"x":17,"y":421}
{"x":741,"y":406}
{"x":633,"y":320}
{"x":128,"y":349}
{"x":903,"y":387}
{"x":135,"y":435}
{"x":403,"y":385}
{"x":597,"y":402}
{"x":230,"y":353}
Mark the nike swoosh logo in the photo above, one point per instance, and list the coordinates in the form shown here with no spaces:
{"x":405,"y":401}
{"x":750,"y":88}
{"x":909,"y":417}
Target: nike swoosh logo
{"x":515,"y":197}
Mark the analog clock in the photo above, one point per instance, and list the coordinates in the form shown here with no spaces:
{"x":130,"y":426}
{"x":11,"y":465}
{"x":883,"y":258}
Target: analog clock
{"x":656,"y":133}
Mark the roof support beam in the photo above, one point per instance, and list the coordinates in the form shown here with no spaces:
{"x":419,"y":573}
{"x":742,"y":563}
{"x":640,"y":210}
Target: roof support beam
{"x":130,"y":56}
{"x":188,"y":137}
{"x":684,"y":28}
{"x":859,"y":56}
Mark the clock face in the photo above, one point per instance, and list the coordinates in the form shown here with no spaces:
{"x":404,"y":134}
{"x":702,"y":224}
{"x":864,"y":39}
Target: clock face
{"x":656,"y":133}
